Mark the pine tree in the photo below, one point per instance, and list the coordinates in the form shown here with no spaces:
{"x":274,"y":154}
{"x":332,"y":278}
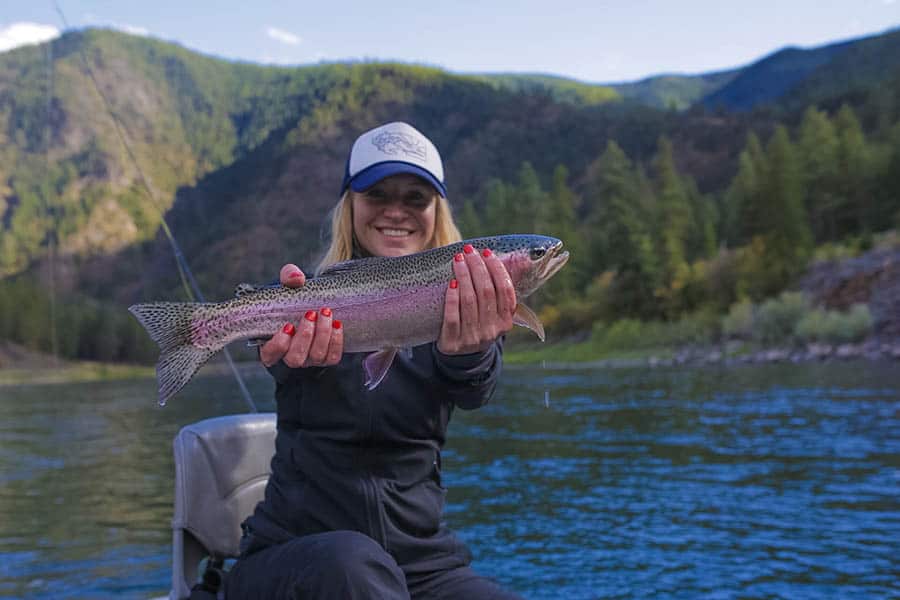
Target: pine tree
{"x":786,"y":233}
{"x":561,"y":223}
{"x":674,"y":226}
{"x":619,"y":233}
{"x":818,"y":152}
{"x":742,"y":200}
{"x":855,"y":212}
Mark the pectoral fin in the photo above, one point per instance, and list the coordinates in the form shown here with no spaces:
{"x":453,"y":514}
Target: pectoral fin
{"x":525,"y":317}
{"x":377,"y":365}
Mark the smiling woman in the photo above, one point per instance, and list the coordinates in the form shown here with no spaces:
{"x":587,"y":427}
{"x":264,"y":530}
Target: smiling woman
{"x":353,"y":507}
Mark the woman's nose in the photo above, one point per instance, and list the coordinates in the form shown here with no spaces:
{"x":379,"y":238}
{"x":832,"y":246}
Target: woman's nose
{"x":395,"y":209}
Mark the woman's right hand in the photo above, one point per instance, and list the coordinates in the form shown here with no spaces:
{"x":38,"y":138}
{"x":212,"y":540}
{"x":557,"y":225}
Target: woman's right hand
{"x":316,"y":341}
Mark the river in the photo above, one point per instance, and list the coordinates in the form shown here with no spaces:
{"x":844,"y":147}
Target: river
{"x":777,"y":481}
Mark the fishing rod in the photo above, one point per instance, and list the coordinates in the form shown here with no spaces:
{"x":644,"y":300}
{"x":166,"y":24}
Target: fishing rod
{"x":188,"y":282}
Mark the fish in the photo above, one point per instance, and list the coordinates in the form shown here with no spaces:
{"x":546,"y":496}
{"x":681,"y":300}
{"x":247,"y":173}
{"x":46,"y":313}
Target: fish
{"x":384,"y":304}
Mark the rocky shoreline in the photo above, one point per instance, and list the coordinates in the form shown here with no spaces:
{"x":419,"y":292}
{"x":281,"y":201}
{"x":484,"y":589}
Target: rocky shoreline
{"x":870,"y":350}
{"x":736,"y":353}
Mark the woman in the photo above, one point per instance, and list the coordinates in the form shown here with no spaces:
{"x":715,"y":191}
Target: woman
{"x":353,"y":506}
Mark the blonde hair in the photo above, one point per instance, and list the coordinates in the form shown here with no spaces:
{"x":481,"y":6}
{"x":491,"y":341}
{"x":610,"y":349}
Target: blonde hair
{"x":342,"y":239}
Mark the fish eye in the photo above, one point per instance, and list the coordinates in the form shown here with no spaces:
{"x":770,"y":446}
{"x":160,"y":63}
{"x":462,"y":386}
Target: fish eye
{"x":536,"y":253}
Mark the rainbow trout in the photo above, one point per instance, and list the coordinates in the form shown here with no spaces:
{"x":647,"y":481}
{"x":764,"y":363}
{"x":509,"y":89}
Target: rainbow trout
{"x":384,"y":304}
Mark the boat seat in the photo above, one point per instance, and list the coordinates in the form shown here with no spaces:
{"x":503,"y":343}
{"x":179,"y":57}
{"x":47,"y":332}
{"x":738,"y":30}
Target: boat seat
{"x":221,"y":470}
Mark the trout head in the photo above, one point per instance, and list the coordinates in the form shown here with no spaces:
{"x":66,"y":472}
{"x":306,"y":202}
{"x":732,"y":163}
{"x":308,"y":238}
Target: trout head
{"x":531,"y":260}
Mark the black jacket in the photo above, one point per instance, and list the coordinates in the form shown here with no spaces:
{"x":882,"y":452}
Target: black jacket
{"x":370,"y":461}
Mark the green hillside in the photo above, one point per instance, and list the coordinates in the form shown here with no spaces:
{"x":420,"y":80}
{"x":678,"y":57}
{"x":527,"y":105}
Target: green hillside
{"x":668,"y":213}
{"x":677,"y":92}
{"x":794,"y":77}
{"x":559,"y":88}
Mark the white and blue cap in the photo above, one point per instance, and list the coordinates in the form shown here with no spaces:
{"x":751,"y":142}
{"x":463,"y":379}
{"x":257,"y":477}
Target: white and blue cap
{"x":393,"y":149}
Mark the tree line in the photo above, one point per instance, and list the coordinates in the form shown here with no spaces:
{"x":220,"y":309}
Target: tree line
{"x":648,"y":245}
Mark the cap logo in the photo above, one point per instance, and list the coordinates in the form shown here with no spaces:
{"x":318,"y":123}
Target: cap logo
{"x":395,"y":142}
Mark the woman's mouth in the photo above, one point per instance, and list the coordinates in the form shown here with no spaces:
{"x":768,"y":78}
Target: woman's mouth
{"x":396,"y":233}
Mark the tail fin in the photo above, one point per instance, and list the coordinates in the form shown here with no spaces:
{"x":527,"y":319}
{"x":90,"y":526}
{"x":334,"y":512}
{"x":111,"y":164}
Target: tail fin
{"x":169,"y":325}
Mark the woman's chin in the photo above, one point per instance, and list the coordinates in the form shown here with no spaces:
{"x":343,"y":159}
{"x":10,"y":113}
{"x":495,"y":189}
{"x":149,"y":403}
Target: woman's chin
{"x":398,"y":246}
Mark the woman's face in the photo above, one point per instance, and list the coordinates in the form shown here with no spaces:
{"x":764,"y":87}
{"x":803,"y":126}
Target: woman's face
{"x":395,"y":216}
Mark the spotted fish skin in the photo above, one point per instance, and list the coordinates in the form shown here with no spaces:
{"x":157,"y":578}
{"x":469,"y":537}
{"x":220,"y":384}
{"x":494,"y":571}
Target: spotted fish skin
{"x":384,"y":303}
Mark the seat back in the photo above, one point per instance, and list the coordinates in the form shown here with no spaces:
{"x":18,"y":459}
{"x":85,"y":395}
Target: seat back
{"x":221,"y":470}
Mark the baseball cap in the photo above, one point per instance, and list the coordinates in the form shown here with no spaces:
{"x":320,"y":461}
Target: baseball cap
{"x":392,"y":149}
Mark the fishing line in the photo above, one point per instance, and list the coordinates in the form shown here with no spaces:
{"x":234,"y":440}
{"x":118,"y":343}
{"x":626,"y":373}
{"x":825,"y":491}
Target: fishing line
{"x":191,"y":288}
{"x":50,"y":213}
{"x":546,"y":388}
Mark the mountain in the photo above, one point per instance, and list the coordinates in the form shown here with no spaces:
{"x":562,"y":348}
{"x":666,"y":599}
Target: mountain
{"x":245,"y":160}
{"x":795,"y":77}
{"x":677,"y":92}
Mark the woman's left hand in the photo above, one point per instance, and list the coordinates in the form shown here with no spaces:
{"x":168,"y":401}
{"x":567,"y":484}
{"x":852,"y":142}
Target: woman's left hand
{"x":479,"y":306}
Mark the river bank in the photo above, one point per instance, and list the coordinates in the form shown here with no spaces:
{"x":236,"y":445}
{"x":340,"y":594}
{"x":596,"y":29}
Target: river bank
{"x":20,"y":368}
{"x":729,"y":354}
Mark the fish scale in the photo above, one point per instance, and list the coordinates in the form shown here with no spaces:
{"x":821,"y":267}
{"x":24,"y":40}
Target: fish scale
{"x":384,"y":303}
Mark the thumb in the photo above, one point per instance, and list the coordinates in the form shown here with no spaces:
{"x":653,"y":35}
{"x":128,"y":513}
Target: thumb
{"x":292,"y":276}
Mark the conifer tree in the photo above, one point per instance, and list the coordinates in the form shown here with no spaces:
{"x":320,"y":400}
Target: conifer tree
{"x":786,"y":226}
{"x":855,"y":211}
{"x":742,"y":200}
{"x":620,"y":235}
{"x":674,"y":226}
{"x":561,"y":223}
{"x":818,"y":152}
{"x":531,"y":202}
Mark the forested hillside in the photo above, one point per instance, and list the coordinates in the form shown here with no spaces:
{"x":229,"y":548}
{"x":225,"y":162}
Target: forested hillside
{"x":671,"y":215}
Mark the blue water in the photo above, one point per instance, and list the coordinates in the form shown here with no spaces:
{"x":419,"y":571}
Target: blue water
{"x":754,"y":482}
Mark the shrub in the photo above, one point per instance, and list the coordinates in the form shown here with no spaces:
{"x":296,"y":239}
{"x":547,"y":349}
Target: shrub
{"x":776,"y":319}
{"x":631,"y":334}
{"x":739,"y":320}
{"x":835,"y":327}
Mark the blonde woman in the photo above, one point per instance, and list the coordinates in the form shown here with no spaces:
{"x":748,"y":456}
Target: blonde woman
{"x":353,"y":506}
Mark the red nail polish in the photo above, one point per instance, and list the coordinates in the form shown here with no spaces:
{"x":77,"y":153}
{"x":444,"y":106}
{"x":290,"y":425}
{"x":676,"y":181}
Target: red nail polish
{"x":326,"y":312}
{"x":458,"y":258}
{"x":311,"y":316}
{"x":336,"y":324}
{"x":454,"y":284}
{"x":468,"y":249}
{"x":289,"y":329}
{"x":486,"y":252}
{"x":295,"y":275}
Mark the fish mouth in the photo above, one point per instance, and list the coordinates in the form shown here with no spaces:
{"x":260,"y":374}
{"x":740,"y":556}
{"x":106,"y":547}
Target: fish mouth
{"x":554,"y":260}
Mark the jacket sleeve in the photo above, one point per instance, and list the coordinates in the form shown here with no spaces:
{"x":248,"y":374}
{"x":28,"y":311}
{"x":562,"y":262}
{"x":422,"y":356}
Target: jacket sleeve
{"x":470,"y":379}
{"x":280,"y":372}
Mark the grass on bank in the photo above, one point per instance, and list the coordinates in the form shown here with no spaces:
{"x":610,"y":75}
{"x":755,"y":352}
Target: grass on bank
{"x":788,"y":320}
{"x":73,"y":372}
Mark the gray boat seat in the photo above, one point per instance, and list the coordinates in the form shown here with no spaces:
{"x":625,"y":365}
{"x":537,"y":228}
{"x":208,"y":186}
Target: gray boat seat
{"x":221,"y":470}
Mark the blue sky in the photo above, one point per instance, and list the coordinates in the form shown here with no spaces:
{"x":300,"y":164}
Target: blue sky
{"x":596,"y":41}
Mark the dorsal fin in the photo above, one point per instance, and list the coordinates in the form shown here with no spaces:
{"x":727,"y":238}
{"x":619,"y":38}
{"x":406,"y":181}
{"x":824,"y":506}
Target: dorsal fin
{"x":242,"y":289}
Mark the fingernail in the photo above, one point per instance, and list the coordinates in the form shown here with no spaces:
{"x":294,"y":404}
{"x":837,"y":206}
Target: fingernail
{"x":295,"y":275}
{"x":289,"y":329}
{"x":454,"y":284}
{"x":326,"y":312}
{"x":458,"y":258}
{"x":311,"y":315}
{"x":486,"y":252}
{"x":336,"y":324}
{"x":468,"y":249}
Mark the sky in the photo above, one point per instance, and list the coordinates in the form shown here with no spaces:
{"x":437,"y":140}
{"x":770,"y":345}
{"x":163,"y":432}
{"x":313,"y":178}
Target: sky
{"x":599,"y":41}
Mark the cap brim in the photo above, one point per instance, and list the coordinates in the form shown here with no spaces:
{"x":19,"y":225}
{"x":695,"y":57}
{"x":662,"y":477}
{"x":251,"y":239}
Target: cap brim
{"x":372,"y":175}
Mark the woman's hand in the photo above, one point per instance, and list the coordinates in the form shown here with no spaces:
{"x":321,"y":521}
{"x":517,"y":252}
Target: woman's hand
{"x":317,"y":341}
{"x":479,"y":305}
